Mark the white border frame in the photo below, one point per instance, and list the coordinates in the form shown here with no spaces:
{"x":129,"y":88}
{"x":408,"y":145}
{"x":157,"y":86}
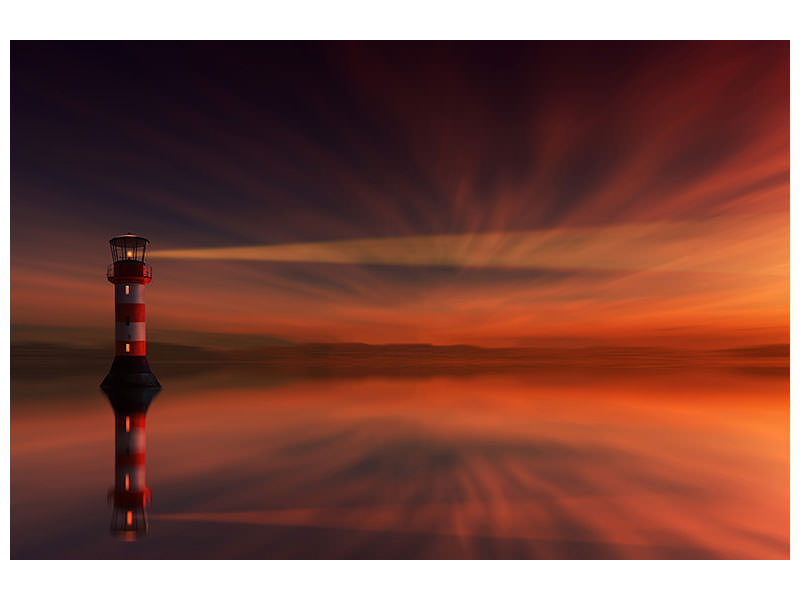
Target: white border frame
{"x":414,"y":19}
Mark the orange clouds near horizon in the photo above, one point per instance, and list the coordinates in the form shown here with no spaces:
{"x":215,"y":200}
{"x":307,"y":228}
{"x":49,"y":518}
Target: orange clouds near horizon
{"x":727,"y":272}
{"x":707,"y":283}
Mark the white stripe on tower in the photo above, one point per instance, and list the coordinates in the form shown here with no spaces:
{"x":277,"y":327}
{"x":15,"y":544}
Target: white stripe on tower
{"x":130,"y":332}
{"x":128,"y":293}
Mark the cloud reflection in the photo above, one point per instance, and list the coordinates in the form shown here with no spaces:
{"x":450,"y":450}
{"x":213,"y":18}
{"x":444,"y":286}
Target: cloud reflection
{"x":476,"y":463}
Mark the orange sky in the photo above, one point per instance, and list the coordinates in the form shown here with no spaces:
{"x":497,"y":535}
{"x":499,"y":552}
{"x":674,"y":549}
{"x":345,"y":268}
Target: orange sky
{"x":615,"y":198}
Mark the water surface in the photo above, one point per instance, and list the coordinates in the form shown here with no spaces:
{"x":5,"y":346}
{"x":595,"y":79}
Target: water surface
{"x":534,"y":463}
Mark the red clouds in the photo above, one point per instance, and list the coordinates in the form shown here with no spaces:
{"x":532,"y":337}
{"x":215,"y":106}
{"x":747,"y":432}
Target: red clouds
{"x":346,"y":142}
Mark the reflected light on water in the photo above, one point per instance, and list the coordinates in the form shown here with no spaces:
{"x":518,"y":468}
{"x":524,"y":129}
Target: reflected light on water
{"x":642,"y":464}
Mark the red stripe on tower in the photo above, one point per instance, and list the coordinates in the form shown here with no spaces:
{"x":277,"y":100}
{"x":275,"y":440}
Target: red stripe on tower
{"x":133,"y":313}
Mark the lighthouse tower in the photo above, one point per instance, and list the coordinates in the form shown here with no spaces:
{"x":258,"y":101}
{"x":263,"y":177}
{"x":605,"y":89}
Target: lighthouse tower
{"x":130,"y":495}
{"x":129,"y":273}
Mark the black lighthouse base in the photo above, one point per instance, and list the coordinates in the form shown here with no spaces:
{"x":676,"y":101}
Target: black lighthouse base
{"x":130,"y":372}
{"x":131,"y":400}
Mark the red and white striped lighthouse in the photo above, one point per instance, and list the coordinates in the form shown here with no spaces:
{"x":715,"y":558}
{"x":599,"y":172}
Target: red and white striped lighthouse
{"x":129,"y":273}
{"x":130,"y":494}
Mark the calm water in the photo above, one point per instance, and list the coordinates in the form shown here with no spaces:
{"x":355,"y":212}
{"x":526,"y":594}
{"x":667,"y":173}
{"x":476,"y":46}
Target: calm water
{"x":540,"y":464}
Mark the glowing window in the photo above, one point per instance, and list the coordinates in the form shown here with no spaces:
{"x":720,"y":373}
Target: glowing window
{"x":127,"y":290}
{"x":127,"y":423}
{"x":127,"y":347}
{"x":129,"y":517}
{"x":127,"y":483}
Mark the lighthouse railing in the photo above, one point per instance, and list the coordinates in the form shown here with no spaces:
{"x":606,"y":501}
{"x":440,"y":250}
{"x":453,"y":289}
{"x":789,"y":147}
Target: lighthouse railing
{"x":129,"y":268}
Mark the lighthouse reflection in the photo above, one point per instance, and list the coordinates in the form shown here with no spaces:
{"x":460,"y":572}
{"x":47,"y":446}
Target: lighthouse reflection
{"x":130,"y":496}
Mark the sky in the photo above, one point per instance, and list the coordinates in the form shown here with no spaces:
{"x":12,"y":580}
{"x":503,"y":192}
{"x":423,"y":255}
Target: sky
{"x":496,"y":194}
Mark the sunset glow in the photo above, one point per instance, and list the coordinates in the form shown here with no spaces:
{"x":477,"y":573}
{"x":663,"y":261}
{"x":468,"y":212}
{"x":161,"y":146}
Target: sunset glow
{"x":642,"y":463}
{"x":401,"y":300}
{"x":640,"y":197}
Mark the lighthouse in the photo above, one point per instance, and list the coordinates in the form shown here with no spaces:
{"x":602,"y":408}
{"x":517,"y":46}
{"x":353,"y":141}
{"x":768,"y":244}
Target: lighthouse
{"x":130,"y":495}
{"x":129,"y":273}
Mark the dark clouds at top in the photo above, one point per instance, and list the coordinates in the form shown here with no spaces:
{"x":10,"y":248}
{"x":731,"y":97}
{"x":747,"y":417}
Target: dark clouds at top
{"x":328,"y":140}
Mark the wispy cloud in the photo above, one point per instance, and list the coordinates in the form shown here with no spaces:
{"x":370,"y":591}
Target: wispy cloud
{"x":444,"y":193}
{"x":750,"y":245}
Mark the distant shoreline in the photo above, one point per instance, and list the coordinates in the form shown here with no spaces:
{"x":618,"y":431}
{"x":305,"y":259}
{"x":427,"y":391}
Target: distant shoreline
{"x":28,"y":360}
